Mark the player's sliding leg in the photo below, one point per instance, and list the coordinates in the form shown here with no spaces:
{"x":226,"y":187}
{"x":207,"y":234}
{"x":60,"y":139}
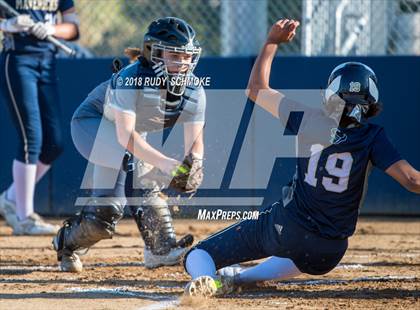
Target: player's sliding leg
{"x":274,"y":268}
{"x":294,"y":249}
{"x":200,"y":266}
{"x":207,"y":283}
{"x":237,"y":243}
{"x":95,"y":222}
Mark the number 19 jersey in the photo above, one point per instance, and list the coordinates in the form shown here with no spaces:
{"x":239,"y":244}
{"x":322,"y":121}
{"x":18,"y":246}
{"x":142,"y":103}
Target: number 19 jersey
{"x":330,"y":185}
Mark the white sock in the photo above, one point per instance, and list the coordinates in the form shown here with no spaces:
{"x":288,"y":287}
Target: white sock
{"x":274,"y":268}
{"x":199,"y":263}
{"x":41,"y":170}
{"x":24,"y":176}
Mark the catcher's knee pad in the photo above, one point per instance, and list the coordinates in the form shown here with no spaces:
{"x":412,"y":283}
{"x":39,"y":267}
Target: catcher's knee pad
{"x":91,"y":225}
{"x":154,"y":221}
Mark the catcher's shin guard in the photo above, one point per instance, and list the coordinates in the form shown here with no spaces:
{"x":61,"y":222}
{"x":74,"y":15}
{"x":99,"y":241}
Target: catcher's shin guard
{"x":154,"y":221}
{"x":91,"y":225}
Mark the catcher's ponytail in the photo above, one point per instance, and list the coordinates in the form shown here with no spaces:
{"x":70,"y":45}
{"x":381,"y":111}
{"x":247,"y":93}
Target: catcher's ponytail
{"x":133,"y":53}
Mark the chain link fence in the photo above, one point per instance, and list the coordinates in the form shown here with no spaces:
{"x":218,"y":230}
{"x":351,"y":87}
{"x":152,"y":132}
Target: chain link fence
{"x":239,"y":27}
{"x":107,"y":26}
{"x":361,"y":27}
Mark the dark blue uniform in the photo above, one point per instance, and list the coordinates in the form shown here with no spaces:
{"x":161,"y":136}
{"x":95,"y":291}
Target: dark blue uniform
{"x":29,"y":84}
{"x":331,"y":184}
{"x":318,"y":210}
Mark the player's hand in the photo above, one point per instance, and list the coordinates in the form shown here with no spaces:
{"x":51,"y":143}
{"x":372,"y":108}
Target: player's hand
{"x":283,"y":31}
{"x":21,"y":23}
{"x":42,"y":30}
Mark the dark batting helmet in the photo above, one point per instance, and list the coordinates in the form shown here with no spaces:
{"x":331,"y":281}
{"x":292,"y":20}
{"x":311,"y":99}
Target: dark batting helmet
{"x":353,"y":86}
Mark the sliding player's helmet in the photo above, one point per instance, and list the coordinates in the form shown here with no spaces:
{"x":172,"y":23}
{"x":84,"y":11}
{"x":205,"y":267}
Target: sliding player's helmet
{"x":353,"y":85}
{"x":170,"y":44}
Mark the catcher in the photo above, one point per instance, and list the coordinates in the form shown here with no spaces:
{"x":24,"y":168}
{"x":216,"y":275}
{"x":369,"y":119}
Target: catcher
{"x":109,"y":129}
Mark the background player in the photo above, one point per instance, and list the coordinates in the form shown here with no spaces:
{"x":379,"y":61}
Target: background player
{"x":29,"y":84}
{"x":307,"y":231}
{"x":102,"y":132}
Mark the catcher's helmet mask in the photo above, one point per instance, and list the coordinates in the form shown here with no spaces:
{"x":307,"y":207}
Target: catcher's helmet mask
{"x":171,"y":35}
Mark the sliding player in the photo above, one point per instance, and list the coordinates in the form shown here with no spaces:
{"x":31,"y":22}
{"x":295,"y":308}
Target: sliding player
{"x":307,"y":230}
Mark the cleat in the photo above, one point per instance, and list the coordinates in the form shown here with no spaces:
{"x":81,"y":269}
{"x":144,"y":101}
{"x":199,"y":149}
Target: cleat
{"x":206,"y":286}
{"x":71,"y":263}
{"x":8,"y":210}
{"x":203,"y":286}
{"x":173,"y":257}
{"x":34,"y":225}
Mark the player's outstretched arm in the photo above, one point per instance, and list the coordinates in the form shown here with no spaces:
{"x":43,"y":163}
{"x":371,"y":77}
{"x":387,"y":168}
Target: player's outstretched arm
{"x":406,"y":175}
{"x":258,"y":89}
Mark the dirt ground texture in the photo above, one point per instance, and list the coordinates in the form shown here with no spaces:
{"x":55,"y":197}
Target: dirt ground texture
{"x":380,"y":270}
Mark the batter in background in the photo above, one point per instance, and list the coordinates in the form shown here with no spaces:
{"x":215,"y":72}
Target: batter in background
{"x":29,"y":84}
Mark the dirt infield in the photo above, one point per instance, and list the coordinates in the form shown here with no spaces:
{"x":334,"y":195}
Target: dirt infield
{"x":380,"y":270}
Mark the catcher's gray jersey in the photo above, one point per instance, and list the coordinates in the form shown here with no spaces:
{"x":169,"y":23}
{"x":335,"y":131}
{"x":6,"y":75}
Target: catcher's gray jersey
{"x":153,"y":107}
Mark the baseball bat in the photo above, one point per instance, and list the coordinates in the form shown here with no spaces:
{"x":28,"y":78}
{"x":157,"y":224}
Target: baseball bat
{"x":5,"y":7}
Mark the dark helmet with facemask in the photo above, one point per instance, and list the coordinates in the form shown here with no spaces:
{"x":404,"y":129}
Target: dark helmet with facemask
{"x":175,"y":36}
{"x":352,"y":93}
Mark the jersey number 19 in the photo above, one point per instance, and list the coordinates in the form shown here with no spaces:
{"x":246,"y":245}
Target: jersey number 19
{"x":338,"y":165}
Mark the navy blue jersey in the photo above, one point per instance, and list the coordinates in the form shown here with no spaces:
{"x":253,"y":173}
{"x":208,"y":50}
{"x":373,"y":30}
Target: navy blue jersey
{"x":134,"y":90}
{"x":330,"y":185}
{"x":40,"y":11}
